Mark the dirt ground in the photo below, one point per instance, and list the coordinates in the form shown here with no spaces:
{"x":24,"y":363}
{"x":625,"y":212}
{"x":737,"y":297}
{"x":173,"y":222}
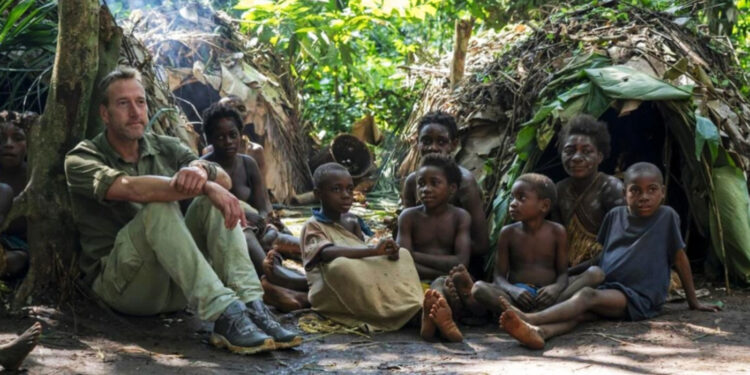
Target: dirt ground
{"x":92,"y":341}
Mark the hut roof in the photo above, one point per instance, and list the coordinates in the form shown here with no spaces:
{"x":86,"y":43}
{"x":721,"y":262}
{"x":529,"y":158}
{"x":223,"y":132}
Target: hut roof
{"x":195,"y":47}
{"x":609,"y":61}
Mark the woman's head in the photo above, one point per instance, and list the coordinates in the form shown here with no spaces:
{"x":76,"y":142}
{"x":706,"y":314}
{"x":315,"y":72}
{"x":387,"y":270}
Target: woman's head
{"x":222,"y":125}
{"x":583,"y":143}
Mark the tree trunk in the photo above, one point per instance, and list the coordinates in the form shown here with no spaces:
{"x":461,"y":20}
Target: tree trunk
{"x":110,"y":41}
{"x":45,"y":201}
{"x":460,"y":46}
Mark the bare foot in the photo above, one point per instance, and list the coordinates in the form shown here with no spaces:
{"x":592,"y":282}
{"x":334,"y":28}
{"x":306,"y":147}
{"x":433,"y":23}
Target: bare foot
{"x":428,"y":326}
{"x":441,"y":315}
{"x":13,"y":353}
{"x":451,"y":296}
{"x":527,"y":334}
{"x":464,"y":283}
{"x":282,"y":298}
{"x":507,"y":306}
{"x":282,"y":276}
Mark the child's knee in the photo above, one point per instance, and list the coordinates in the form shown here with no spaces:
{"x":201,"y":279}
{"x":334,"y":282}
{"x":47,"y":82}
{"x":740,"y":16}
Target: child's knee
{"x":586,"y":293}
{"x":482,"y":291}
{"x":596,"y":274}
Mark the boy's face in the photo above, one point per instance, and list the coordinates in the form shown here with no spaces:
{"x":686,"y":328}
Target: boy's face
{"x":435,"y":138}
{"x":433,"y":187}
{"x":525,"y":203}
{"x":336,"y":192}
{"x":580,"y":157}
{"x":225,"y":138}
{"x":644,"y":194}
{"x":12,"y":146}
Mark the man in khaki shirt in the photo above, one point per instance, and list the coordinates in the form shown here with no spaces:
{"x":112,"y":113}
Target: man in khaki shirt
{"x":139,"y":254}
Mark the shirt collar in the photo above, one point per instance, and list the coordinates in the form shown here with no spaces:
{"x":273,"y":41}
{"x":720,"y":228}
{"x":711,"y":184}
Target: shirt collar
{"x":145,"y":146}
{"x":321,"y":217}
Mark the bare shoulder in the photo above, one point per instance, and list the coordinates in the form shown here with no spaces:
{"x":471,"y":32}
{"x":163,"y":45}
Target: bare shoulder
{"x":460,"y":213}
{"x":556,"y":228}
{"x":467,"y":179}
{"x":410,"y":212}
{"x":510,"y":229}
{"x":613,"y":190}
{"x":248,"y":160}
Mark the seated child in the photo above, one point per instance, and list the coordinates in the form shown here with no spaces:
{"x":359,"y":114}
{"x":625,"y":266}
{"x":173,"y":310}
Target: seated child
{"x":587,"y":195}
{"x":350,"y":282}
{"x":438,"y":134}
{"x":437,"y":232}
{"x":531,"y":268}
{"x":13,"y":177}
{"x":285,"y":288}
{"x":640,"y":244}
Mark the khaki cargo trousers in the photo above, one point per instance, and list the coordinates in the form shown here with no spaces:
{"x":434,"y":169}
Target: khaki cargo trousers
{"x":162,"y":262}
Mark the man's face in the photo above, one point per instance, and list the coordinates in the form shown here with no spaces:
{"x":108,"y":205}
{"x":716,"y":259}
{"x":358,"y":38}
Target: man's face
{"x":580,"y":157}
{"x":126,"y":114}
{"x":435,"y":138}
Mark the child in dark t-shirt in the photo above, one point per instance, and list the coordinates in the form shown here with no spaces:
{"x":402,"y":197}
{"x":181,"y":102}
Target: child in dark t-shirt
{"x":640,"y":244}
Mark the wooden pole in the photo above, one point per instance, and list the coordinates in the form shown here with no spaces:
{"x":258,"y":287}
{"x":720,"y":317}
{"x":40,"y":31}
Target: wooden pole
{"x":460,"y":46}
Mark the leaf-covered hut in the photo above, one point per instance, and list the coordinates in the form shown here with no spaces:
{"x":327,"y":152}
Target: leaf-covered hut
{"x":203,"y":56}
{"x":668,"y":93}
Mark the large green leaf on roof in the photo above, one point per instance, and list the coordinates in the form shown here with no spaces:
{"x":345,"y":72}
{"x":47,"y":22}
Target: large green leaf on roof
{"x":734,"y":209}
{"x":706,"y":133}
{"x":624,"y":82}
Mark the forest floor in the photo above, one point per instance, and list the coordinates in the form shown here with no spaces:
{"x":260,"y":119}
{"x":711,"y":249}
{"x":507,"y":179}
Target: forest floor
{"x":91,"y":341}
{"x":81,"y":338}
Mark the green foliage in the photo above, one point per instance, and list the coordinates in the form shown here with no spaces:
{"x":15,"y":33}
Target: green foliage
{"x":344,"y":55}
{"x":28,"y":35}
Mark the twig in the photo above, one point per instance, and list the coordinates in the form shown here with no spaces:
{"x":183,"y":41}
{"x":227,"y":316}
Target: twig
{"x":424,"y":69}
{"x":610,"y":337}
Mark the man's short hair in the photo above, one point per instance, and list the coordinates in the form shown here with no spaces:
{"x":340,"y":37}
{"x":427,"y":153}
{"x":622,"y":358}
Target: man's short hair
{"x":216,"y":112}
{"x":440,"y":118}
{"x":324,"y":171}
{"x":123,"y":72}
{"x":643,"y":168}
{"x":446,"y":164}
{"x":589,"y":126}
{"x":541,"y":184}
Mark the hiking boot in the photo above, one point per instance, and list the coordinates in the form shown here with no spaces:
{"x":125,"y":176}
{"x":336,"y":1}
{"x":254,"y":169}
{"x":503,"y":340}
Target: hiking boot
{"x":236,"y":332}
{"x":260,"y":315}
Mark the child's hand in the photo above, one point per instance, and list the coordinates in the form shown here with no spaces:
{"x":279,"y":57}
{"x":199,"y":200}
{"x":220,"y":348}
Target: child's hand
{"x":255,"y":220}
{"x":522,"y":298}
{"x":387,"y":246}
{"x":546,"y":296}
{"x":702,"y":307}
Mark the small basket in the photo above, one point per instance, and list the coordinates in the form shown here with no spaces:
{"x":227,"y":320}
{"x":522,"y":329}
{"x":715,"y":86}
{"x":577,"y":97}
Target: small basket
{"x":348,"y":151}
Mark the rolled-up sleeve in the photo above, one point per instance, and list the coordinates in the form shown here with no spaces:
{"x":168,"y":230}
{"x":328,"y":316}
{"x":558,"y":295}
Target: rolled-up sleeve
{"x":314,"y":239}
{"x":88,"y":175}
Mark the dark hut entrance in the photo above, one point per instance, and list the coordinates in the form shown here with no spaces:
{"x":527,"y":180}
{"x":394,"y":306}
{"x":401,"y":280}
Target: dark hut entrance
{"x":642,"y":135}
